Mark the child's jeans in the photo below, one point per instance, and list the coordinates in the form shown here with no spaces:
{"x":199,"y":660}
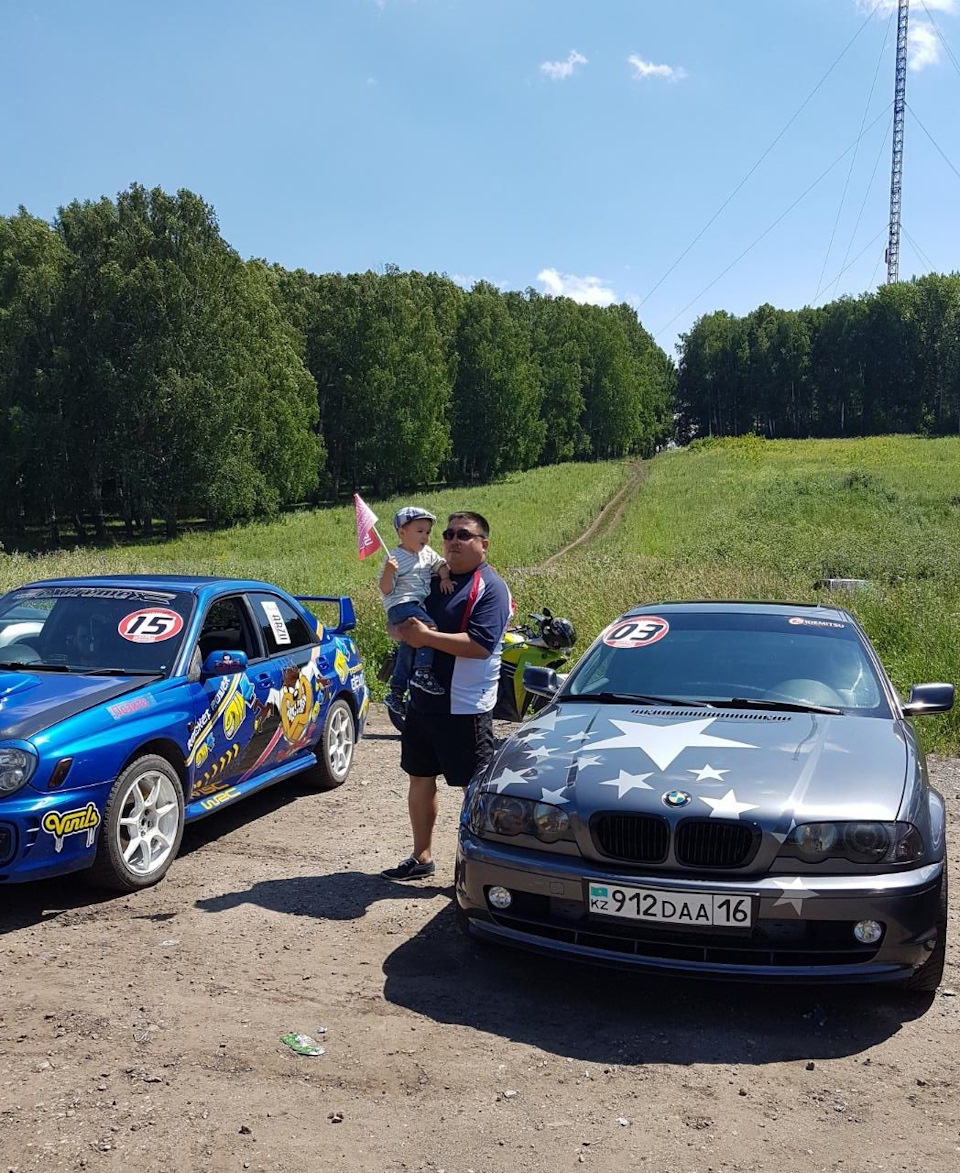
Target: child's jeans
{"x":409,"y":658}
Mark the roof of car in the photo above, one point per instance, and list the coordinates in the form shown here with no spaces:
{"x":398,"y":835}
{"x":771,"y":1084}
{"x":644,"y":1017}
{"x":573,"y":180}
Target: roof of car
{"x":176,"y":582}
{"x":741,"y":607}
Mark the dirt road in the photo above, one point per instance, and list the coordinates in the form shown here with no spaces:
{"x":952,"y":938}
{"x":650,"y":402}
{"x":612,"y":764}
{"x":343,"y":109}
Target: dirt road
{"x":143,"y":1032}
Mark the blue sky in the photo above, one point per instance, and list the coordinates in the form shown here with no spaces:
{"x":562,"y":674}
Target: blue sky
{"x":574,"y":146}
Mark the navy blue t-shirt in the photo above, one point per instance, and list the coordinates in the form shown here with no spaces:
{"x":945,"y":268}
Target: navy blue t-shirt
{"x":470,"y":686}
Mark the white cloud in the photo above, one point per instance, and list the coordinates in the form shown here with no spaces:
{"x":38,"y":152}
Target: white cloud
{"x":924,"y":46}
{"x":643,"y":68}
{"x":586,"y":290}
{"x":558,"y":70}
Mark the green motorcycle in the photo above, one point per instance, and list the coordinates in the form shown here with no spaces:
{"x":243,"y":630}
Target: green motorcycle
{"x":544,"y":641}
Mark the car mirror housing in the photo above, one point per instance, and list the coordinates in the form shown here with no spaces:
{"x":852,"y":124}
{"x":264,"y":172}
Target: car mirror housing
{"x":540,"y":681}
{"x":928,"y":698}
{"x":224,"y":663}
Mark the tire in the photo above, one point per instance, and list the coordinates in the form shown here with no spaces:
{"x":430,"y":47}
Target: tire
{"x":928,"y":976}
{"x":335,"y":748}
{"x":142,"y":827}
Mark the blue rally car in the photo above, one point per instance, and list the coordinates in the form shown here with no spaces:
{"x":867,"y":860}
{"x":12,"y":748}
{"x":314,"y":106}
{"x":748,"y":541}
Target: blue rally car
{"x":130,"y":706}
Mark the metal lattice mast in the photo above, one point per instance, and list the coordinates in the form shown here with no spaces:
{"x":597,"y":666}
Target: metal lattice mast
{"x":896,"y":172}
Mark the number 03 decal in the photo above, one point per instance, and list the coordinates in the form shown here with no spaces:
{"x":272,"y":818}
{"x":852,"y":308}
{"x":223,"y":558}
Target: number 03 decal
{"x":150,"y":626}
{"x":636,"y":633}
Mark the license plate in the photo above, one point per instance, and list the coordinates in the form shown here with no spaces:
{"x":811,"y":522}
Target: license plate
{"x":670,"y":907}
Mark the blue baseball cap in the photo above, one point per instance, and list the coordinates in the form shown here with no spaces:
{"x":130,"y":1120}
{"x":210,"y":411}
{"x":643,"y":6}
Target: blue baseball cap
{"x":411,"y":513}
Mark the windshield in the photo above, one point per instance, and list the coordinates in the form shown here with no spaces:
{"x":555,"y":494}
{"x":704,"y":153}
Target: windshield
{"x":92,"y":628}
{"x":767,"y":660}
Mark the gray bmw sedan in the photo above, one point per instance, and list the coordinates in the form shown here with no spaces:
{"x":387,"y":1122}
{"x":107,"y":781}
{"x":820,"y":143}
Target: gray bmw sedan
{"x":719,"y":789}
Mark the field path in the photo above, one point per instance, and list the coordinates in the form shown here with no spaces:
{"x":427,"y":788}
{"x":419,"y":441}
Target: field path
{"x":609,"y":516}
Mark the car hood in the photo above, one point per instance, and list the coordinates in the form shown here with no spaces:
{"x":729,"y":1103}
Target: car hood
{"x":33,"y":701}
{"x":769,"y":768}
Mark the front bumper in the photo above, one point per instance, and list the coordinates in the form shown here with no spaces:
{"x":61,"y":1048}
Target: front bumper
{"x":793,"y":939}
{"x":43,"y":835}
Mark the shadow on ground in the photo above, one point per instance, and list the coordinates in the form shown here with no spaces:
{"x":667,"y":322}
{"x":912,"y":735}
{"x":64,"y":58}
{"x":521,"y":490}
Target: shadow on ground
{"x":614,"y":1016}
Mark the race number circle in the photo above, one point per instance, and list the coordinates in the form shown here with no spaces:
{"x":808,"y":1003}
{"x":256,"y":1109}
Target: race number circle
{"x":639,"y":632}
{"x":152,"y":625}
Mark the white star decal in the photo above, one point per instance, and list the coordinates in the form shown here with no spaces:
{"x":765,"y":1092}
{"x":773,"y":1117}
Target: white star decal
{"x":708,"y":774}
{"x":664,"y":743}
{"x":549,"y":721}
{"x":552,"y":796}
{"x":794,"y":892}
{"x":540,"y":752}
{"x":525,"y":736}
{"x":507,"y":778}
{"x":589,"y":759}
{"x":728,"y":806}
{"x":577,"y":737}
{"x":626,"y":782}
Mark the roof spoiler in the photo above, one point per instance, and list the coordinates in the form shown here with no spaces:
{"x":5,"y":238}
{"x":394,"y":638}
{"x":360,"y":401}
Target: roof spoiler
{"x":347,"y":620}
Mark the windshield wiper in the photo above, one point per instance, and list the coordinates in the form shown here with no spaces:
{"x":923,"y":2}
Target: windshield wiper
{"x":741,"y":702}
{"x":636,"y":698}
{"x":123,"y":672}
{"x":34,"y":667}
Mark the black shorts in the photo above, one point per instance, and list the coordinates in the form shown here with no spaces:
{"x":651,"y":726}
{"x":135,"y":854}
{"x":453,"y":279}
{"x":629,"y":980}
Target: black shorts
{"x":452,"y":744}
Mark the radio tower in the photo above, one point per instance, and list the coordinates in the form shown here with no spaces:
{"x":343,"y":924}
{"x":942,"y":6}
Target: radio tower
{"x":896,"y":173}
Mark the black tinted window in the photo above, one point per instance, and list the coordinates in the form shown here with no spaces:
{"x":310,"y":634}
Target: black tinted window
{"x":283,"y":628}
{"x":226,"y":628}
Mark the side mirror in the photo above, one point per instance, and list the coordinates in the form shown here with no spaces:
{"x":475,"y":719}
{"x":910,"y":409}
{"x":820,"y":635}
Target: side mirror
{"x":224,"y":664}
{"x":541,"y":681}
{"x":928,"y":698}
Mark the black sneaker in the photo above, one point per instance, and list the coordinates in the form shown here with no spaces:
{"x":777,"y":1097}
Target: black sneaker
{"x":410,"y":869}
{"x":395,"y":702}
{"x":424,"y":679}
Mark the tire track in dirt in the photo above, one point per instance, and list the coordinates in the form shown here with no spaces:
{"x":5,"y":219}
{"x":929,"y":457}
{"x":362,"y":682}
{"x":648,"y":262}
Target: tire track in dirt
{"x":608,"y":517}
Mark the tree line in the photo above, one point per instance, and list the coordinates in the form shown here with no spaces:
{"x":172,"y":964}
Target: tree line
{"x":148,"y":372}
{"x":884,"y":362}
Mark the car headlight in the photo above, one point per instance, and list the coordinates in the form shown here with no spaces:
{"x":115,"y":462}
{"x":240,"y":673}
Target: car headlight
{"x":16,"y":767}
{"x":504,"y":814}
{"x":857,"y":842}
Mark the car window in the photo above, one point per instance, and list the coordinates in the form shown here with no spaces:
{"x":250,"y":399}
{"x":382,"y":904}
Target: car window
{"x":703,"y":656}
{"x":227,"y":628}
{"x":86,"y":628}
{"x":283,"y":629}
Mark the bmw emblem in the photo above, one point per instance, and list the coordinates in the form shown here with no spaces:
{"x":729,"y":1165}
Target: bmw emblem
{"x":675,"y":798}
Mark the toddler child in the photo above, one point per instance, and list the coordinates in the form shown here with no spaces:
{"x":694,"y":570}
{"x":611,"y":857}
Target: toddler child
{"x":404,"y":585}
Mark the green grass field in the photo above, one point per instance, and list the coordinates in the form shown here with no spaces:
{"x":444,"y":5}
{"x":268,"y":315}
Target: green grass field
{"x":743,"y":519}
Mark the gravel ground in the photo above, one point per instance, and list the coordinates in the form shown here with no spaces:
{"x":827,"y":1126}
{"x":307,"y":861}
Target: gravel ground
{"x":143,"y":1032}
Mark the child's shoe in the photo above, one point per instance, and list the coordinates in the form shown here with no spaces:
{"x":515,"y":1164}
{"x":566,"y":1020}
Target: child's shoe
{"x":426,"y":681}
{"x":394,"y":701}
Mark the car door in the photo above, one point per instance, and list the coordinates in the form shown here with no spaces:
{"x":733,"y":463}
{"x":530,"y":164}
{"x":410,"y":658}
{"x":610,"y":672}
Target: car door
{"x":233,"y":726}
{"x":300,"y":684}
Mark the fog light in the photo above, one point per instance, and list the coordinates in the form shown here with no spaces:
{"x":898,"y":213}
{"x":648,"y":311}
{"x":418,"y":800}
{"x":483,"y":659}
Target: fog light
{"x":500,"y":897}
{"x":868,"y":932}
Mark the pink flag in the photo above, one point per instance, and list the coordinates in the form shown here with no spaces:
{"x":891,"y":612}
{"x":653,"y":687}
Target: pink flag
{"x":368,"y":540}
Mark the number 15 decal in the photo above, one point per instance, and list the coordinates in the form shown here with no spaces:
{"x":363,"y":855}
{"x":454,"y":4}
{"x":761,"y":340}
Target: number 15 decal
{"x":150,"y":626}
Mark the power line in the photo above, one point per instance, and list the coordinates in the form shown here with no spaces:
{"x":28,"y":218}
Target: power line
{"x":856,"y":227}
{"x":843,"y":197}
{"x":868,"y":245}
{"x":924,"y":259}
{"x":771,"y":227}
{"x":756,"y":165}
{"x":934,"y":141}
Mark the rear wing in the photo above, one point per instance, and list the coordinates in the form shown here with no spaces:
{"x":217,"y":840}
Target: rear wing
{"x":347,"y":619}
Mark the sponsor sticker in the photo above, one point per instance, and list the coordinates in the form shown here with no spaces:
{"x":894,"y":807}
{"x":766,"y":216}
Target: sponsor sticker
{"x":75,"y":822}
{"x":638,"y":632}
{"x":151,"y":625}
{"x":802,"y":621}
{"x":272,"y":612}
{"x":134,"y":705}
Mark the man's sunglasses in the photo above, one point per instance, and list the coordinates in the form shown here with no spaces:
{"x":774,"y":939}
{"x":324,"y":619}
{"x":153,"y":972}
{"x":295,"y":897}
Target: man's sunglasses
{"x":462,"y":535}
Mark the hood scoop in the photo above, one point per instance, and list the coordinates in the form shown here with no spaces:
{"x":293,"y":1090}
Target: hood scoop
{"x":722,"y":714}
